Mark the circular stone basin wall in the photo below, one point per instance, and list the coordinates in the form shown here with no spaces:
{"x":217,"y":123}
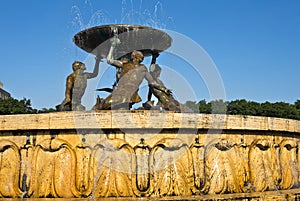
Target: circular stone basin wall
{"x":163,"y":155}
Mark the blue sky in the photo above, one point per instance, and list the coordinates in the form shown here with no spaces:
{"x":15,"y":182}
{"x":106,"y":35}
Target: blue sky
{"x":254,"y":44}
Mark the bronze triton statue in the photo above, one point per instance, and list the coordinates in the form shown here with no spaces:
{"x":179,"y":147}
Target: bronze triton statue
{"x":125,"y":94}
{"x":76,"y":84}
{"x":166,"y":101}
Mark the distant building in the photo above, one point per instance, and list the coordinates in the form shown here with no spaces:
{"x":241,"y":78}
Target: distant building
{"x":3,"y":94}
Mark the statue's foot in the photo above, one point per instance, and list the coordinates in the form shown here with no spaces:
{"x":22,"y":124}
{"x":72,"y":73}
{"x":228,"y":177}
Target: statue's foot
{"x":78,"y":108}
{"x":63,"y":107}
{"x":148,"y":105}
{"x":99,"y":104}
{"x":121,"y":106}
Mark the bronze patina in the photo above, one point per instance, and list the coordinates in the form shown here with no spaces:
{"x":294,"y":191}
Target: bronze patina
{"x":124,"y":46}
{"x":76,"y":84}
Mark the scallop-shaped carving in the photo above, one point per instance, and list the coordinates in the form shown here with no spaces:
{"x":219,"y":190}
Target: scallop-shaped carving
{"x":113,"y":164}
{"x":9,"y":169}
{"x":171,"y":168}
{"x":288,"y":164}
{"x":53,"y":173}
{"x":224,"y":168}
{"x":264,"y":166}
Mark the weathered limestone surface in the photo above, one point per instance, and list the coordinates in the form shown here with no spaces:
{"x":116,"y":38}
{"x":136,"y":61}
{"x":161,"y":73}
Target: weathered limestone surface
{"x":159,"y":155}
{"x":144,"y":119}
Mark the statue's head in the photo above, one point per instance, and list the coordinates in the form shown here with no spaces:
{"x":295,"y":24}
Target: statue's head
{"x":137,"y":55}
{"x":78,"y":65}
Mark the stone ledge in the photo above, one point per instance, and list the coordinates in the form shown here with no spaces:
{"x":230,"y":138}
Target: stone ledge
{"x":144,"y":119}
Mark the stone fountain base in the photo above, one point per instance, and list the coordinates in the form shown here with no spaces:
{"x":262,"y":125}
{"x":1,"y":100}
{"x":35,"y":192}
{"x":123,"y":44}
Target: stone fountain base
{"x":150,"y":154}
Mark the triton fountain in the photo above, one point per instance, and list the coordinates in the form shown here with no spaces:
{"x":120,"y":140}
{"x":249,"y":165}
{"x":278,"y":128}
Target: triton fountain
{"x":109,"y":153}
{"x":129,"y":44}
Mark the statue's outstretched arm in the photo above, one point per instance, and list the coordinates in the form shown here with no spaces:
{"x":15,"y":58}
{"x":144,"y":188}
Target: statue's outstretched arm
{"x":96,"y":68}
{"x":110,"y":59}
{"x":156,"y":85}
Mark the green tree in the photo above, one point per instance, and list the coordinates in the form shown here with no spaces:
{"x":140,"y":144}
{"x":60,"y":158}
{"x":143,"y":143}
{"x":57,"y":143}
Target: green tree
{"x":46,"y":110}
{"x":297,"y":104}
{"x":218,"y":107}
{"x":14,"y":106}
{"x":280,"y":109}
{"x":243,"y":107}
{"x":192,"y":105}
{"x":204,"y":107}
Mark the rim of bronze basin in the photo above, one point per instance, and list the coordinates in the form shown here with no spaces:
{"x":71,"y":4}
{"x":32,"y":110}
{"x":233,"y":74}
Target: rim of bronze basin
{"x":96,"y":40}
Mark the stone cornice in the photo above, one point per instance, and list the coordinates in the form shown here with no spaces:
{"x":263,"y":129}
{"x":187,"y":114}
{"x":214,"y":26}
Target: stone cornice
{"x":144,"y":120}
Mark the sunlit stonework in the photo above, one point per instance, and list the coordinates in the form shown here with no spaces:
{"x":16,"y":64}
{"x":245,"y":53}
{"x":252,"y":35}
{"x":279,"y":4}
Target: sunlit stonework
{"x":118,"y":154}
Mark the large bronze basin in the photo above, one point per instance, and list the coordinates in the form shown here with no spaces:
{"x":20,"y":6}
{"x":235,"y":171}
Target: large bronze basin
{"x":96,"y":40}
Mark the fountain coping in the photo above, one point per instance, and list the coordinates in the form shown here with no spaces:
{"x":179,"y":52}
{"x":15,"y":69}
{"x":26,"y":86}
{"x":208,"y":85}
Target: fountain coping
{"x":144,"y":119}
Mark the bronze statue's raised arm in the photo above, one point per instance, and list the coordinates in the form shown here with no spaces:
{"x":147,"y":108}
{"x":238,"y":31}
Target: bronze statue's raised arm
{"x":96,"y":68}
{"x":110,"y":59}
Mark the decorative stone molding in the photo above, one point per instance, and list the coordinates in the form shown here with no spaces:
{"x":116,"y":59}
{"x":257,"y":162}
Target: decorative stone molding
{"x":148,"y":154}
